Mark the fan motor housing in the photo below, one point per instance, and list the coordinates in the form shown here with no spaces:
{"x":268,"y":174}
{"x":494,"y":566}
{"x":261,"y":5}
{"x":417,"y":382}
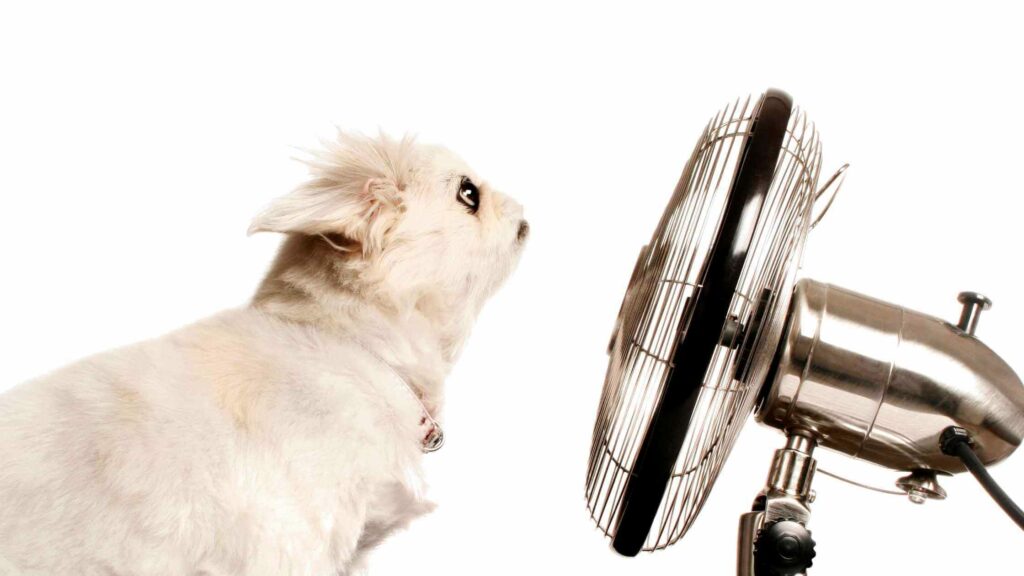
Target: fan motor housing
{"x":881,"y":382}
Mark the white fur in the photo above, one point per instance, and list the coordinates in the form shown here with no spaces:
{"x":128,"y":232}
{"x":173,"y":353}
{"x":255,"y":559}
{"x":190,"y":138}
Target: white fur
{"x":267,"y":440}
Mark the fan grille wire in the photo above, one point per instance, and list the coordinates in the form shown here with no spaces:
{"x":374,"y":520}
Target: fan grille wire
{"x":656,"y":311}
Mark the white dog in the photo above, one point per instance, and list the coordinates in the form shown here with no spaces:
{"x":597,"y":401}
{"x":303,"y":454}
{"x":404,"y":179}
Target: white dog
{"x":283,"y":438}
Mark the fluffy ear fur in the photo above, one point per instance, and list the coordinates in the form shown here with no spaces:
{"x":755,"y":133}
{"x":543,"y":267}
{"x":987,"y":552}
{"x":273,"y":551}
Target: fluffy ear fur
{"x":354,"y":192}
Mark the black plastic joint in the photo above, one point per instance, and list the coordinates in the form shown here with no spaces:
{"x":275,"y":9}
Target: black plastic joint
{"x":952,"y":437}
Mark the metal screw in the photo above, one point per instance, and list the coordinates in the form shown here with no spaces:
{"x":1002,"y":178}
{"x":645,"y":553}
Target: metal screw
{"x":973,"y":303}
{"x":921,"y":485}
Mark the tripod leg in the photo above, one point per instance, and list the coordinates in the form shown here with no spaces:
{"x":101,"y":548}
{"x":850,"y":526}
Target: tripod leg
{"x":750,"y":525}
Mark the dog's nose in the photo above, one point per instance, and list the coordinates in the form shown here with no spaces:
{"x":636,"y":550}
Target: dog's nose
{"x":524,"y":230}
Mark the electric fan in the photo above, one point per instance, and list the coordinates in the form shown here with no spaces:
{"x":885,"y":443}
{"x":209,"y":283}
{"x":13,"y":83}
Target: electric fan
{"x":714,"y":326}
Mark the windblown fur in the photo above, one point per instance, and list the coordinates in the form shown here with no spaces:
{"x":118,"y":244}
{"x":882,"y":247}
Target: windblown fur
{"x":273,"y":439}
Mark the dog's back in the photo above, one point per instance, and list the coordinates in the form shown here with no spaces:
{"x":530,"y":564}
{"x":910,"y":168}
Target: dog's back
{"x":237,"y":445}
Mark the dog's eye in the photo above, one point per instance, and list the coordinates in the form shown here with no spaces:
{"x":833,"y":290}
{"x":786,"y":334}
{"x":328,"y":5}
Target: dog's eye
{"x":469,"y":195}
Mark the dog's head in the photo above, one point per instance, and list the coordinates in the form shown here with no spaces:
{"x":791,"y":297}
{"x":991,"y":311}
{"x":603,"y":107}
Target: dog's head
{"x":410,"y":222}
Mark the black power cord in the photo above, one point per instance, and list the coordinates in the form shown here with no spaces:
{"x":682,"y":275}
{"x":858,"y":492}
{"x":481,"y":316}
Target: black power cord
{"x":955,"y":441}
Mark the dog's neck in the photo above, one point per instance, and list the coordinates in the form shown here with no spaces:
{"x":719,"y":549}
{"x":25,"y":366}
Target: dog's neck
{"x":311,"y":282}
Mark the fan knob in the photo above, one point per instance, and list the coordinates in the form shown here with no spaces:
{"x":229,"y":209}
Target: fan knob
{"x":783,"y":548}
{"x":973,"y":303}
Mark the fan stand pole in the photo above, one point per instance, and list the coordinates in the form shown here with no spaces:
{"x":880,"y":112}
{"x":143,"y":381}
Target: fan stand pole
{"x":773,"y":538}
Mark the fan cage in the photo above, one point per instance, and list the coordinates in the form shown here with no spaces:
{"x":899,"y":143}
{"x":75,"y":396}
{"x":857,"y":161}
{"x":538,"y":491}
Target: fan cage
{"x":657,"y":307}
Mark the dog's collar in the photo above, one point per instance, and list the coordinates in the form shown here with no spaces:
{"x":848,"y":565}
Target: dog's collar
{"x":433,"y":439}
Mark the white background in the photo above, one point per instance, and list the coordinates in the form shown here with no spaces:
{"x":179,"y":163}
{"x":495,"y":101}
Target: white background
{"x":136,"y":142}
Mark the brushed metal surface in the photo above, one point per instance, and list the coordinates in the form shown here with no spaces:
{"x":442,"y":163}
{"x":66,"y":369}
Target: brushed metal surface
{"x":881,"y":382}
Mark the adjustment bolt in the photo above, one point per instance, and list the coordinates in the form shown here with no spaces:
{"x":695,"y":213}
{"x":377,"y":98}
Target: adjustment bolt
{"x":921,"y":485}
{"x":973,"y":303}
{"x":916,"y":496}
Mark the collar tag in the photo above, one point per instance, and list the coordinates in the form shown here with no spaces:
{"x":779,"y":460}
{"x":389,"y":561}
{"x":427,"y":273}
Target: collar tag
{"x":434,"y":439}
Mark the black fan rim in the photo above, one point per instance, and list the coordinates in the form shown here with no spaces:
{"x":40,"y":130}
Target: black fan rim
{"x":671,"y":419}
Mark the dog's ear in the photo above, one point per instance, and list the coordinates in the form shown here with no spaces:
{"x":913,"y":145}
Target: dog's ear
{"x":361,"y":215}
{"x":355,"y":193}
